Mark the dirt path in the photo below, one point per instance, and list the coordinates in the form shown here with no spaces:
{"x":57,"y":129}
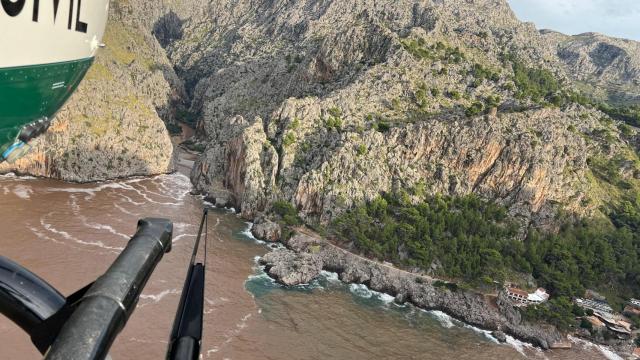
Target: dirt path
{"x":308,"y":232}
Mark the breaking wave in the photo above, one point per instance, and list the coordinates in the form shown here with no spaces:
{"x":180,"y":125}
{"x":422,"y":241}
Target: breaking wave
{"x":607,"y":352}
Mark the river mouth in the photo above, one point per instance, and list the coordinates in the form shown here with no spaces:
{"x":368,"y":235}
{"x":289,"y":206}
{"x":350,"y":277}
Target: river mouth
{"x":70,"y":233}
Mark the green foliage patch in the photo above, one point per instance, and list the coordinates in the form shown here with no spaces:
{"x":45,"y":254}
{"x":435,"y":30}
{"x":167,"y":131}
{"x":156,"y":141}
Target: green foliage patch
{"x":438,"y":51}
{"x":535,"y":83}
{"x":481,"y":73}
{"x":474,"y":240}
{"x":174,"y":129}
{"x":470,"y":237}
{"x":630,"y":115}
{"x":287,"y":212}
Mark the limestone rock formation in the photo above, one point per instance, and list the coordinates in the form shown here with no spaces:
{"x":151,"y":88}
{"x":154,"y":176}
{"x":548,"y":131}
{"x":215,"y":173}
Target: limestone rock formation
{"x":267,"y":230}
{"x":351,"y":99}
{"x":327,"y":104}
{"x":290,"y":268}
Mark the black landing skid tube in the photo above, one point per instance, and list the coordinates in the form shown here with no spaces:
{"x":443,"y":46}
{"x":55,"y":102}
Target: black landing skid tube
{"x":84,"y":325}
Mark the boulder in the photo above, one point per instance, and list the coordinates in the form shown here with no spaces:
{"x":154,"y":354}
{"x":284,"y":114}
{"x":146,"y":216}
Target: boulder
{"x":289,"y":268}
{"x":267,"y":230}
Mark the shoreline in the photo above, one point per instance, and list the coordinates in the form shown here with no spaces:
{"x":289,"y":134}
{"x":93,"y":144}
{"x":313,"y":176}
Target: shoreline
{"x":306,"y":255}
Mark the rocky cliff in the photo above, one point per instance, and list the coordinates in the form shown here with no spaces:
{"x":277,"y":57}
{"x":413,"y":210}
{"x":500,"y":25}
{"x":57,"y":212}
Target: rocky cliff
{"x":112,"y":127}
{"x":326,"y":104}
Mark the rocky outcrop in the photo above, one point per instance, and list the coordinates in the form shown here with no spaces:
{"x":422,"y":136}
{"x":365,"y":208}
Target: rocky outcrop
{"x":510,"y":159}
{"x":308,"y":255}
{"x":290,"y":268}
{"x":249,"y":164}
{"x":267,"y":230}
{"x":112,"y":127}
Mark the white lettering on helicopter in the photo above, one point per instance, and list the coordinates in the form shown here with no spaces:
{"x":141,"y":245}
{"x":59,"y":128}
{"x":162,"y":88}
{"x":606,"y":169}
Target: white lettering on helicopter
{"x":14,"y":8}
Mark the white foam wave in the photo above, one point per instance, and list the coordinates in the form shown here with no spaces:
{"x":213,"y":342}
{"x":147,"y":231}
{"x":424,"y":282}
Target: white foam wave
{"x":386,"y":298}
{"x":142,"y":341}
{"x":40,"y":235}
{"x":103,"y":227}
{"x":262,"y":276}
{"x":181,"y":226}
{"x":444,"y":319}
{"x":14,"y":177}
{"x":518,"y":345}
{"x":73,"y":201}
{"x":149,"y":199}
{"x":70,"y":237}
{"x":130,"y":200}
{"x":125,"y":210}
{"x":360,"y":290}
{"x":247,"y":232}
{"x":213,"y":350}
{"x":449,"y":322}
{"x":607,"y":352}
{"x":243,"y":322}
{"x":177,"y":188}
{"x":175,"y":182}
{"x":90,"y":192}
{"x":156,"y":298}
{"x":96,"y":226}
{"x":363,"y":291}
{"x":176,"y":239}
{"x":330,"y":276}
{"x":23,"y":191}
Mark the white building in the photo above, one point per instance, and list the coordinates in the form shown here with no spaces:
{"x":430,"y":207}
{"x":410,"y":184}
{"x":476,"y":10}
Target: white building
{"x":522,"y":298}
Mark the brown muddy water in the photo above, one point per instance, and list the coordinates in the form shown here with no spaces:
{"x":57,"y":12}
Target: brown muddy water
{"x":69,"y":234}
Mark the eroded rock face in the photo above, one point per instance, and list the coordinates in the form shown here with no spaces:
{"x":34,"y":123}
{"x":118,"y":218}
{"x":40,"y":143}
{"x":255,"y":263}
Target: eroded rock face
{"x":249,"y":164}
{"x":511,"y":159}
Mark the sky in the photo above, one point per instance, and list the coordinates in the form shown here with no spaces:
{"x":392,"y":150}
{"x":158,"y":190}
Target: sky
{"x":619,"y":18}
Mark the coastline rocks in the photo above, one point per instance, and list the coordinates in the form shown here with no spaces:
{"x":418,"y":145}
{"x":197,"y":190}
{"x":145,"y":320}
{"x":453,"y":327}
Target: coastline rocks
{"x":307,"y":255}
{"x":266,"y":230}
{"x":290,"y":268}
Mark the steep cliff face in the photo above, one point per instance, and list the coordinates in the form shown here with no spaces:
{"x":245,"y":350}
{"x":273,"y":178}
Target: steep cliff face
{"x":351,"y":99}
{"x":112,"y":126}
